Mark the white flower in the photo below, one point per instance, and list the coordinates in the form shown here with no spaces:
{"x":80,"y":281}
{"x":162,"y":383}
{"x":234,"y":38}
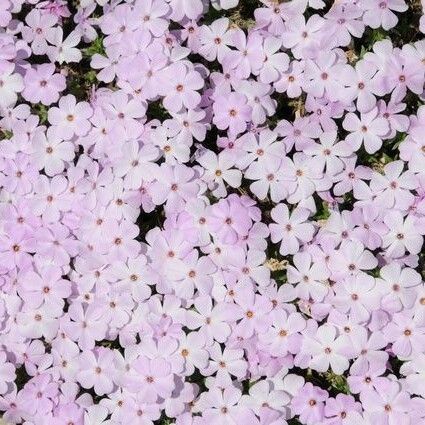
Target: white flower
{"x":10,"y":84}
{"x":63,"y":50}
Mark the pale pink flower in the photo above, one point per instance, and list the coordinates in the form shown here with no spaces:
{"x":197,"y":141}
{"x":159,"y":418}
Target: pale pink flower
{"x":291,"y":229}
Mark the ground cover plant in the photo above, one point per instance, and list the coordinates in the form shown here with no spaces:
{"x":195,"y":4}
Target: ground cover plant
{"x":212,"y":212}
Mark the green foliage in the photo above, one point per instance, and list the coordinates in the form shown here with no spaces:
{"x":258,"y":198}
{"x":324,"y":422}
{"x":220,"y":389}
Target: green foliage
{"x":322,"y":211}
{"x":337,"y":382}
{"x":80,"y":83}
{"x":95,"y":47}
{"x":157,"y":111}
{"x":5,"y":134}
{"x":294,"y":421}
{"x":41,"y":111}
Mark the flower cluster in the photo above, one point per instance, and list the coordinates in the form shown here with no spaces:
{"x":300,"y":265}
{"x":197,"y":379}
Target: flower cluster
{"x":212,"y":215}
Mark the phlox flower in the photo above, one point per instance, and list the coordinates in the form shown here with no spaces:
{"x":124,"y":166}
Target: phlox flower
{"x":179,"y":86}
{"x":369,"y":130}
{"x":249,"y":55}
{"x":326,"y":349}
{"x":249,"y":266}
{"x":126,"y":112}
{"x":357,"y":296}
{"x":404,"y":234}
{"x":363,"y":86}
{"x":174,"y":185}
{"x":232,"y":112}
{"x":19,"y":175}
{"x":386,"y":404}
{"x":346,"y":22}
{"x":415,"y":371}
{"x":119,"y":24}
{"x":368,"y":351}
{"x":323,"y":112}
{"x":15,"y":249}
{"x":396,"y":120}
{"x":229,"y":220}
{"x":291,"y":229}
{"x":392,"y":189}
{"x":38,"y":323}
{"x":327,"y":76}
{"x":215,"y":40}
{"x":221,"y":407}
{"x":270,"y":176}
{"x":275,"y":62}
{"x":226,"y":363}
{"x":11,"y":84}
{"x":309,"y":178}
{"x":40,"y":393}
{"x":193,"y":352}
{"x":329,"y":153}
{"x":219,"y":171}
{"x":406,"y":332}
{"x":300,"y":133}
{"x":380,"y":13}
{"x":292,"y":80}
{"x":351,"y":259}
{"x":107,"y":64}
{"x":284,"y":335}
{"x":259,"y":99}
{"x":300,"y":36}
{"x":254,"y":313}
{"x":136,"y":164}
{"x":154,"y":376}
{"x":45,"y":288}
{"x":38,"y":28}
{"x":370,"y":226}
{"x":309,"y":277}
{"x":190,"y":274}
{"x":397,"y":285}
{"x":7,"y":373}
{"x":95,"y":370}
{"x":51,"y":198}
{"x":63,"y":50}
{"x":70,"y":118}
{"x":262,"y":146}
{"x":152,"y":14}
{"x":212,"y":321}
{"x":52,"y":153}
{"x":188,"y":125}
{"x":86,"y":325}
{"x":190,"y":9}
{"x":342,"y":410}
{"x":309,"y":404}
{"x":142,"y":407}
{"x":43,"y":85}
{"x":352,"y":178}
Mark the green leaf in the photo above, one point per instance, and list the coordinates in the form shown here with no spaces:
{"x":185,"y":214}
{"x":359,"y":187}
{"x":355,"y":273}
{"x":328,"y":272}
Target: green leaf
{"x":5,"y":134}
{"x":95,"y":47}
{"x":41,"y":111}
{"x":338,"y":382}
